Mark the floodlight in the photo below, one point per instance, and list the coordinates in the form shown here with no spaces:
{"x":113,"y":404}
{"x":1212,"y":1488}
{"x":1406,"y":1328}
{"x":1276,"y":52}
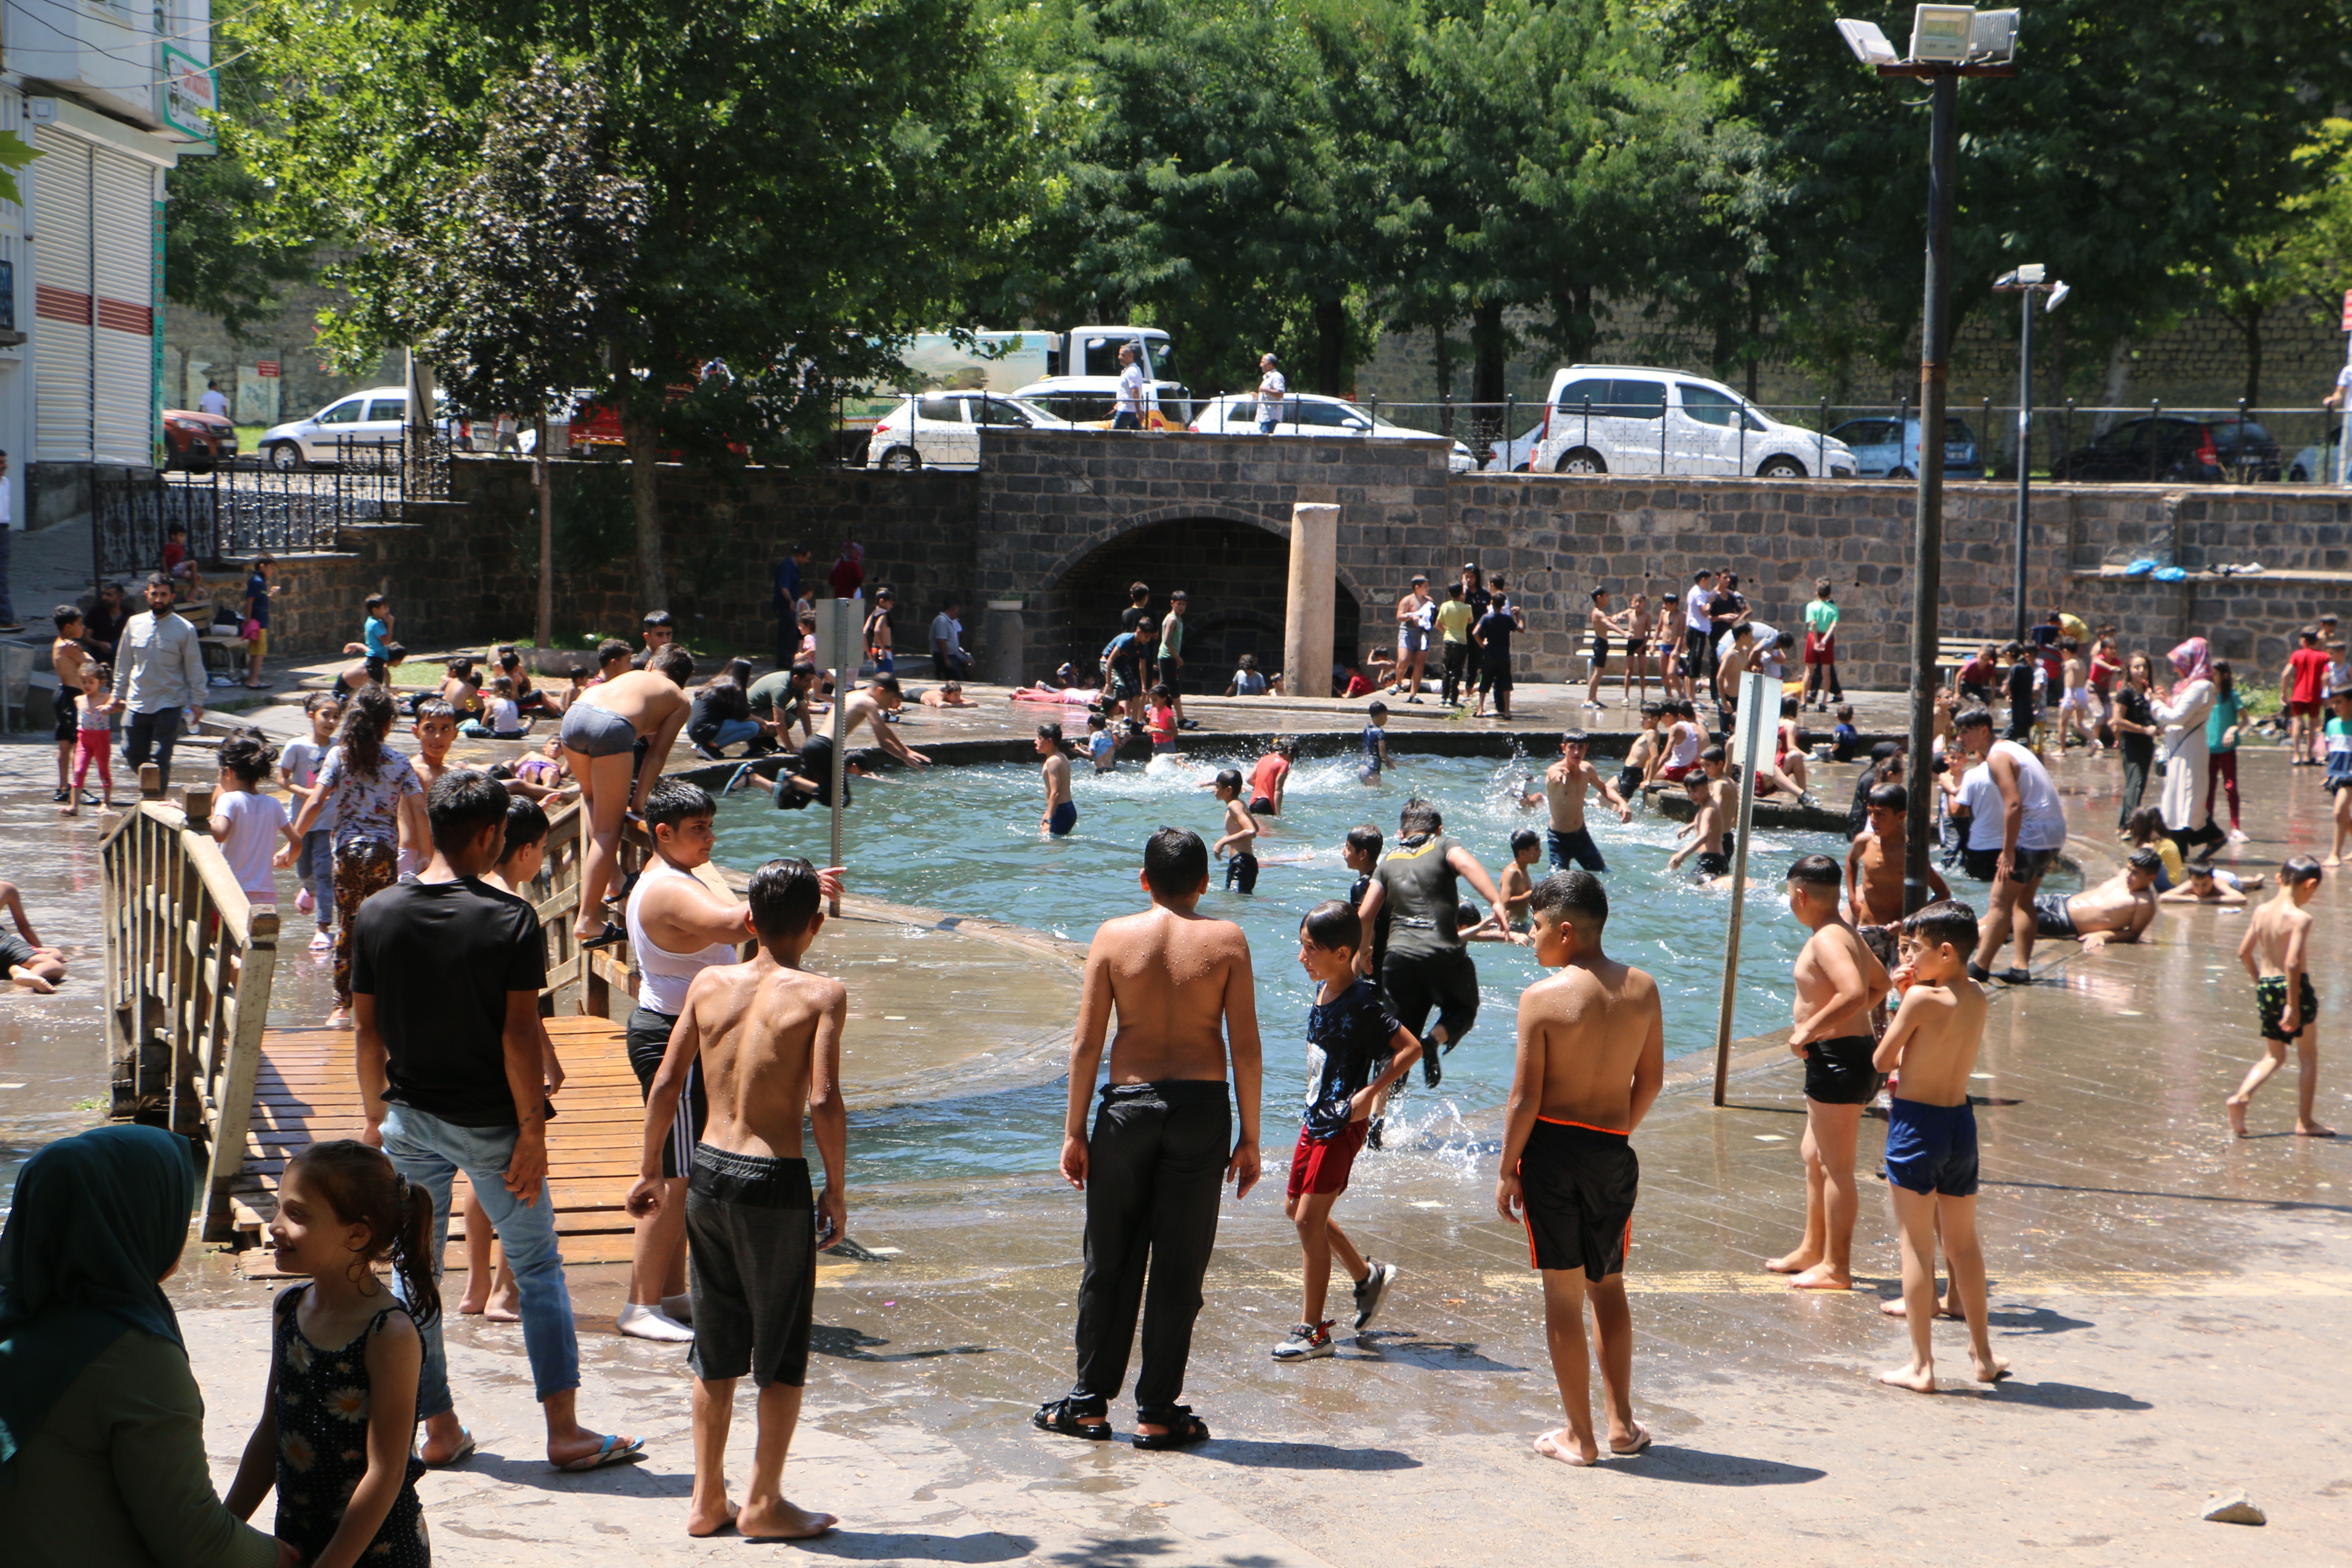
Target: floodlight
{"x":1869,"y":44}
{"x":1941,"y":34}
{"x":2057,"y":296}
{"x":1994,"y":38}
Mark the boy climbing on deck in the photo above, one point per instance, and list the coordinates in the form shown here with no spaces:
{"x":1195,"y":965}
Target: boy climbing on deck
{"x":1931,"y":1140}
{"x":1591,"y":1059}
{"x":1240,"y":837}
{"x":768,"y":1037}
{"x":1358,"y":1050}
{"x":2274,"y":950}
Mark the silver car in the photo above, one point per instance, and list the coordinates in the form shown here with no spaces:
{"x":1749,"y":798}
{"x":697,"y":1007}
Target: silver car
{"x":1313,"y":413}
{"x":941,"y":429}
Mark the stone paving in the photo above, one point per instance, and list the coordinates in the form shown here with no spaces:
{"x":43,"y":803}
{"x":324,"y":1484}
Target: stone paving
{"x":2172,"y":1302}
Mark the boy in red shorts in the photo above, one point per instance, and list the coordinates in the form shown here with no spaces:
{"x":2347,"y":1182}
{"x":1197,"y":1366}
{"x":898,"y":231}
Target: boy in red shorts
{"x":1353,"y":1027}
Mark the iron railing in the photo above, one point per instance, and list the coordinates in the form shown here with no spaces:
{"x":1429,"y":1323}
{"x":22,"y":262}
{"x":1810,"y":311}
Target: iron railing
{"x":245,"y":511}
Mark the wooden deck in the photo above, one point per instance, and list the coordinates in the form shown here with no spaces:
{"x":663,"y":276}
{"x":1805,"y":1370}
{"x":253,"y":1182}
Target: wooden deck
{"x":307,"y":1090}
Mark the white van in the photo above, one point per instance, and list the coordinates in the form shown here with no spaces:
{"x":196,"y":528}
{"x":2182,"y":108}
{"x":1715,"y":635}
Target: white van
{"x":1082,"y":385}
{"x":370,"y":419}
{"x":1635,"y":419}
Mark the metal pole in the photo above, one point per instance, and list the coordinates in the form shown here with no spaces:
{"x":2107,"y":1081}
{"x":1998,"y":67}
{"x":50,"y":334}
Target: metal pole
{"x":1754,"y":717}
{"x":844,"y":676}
{"x":1927,"y":524}
{"x":2024,"y":445}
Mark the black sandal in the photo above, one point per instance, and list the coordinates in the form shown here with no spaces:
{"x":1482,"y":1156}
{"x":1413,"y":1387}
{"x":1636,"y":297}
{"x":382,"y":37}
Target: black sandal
{"x":1183,"y":1429}
{"x":606,"y":938}
{"x":1066,"y":1416}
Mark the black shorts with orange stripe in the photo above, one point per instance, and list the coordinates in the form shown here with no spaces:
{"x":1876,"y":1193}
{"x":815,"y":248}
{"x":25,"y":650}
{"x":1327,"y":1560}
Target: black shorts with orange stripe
{"x":1578,"y":1184}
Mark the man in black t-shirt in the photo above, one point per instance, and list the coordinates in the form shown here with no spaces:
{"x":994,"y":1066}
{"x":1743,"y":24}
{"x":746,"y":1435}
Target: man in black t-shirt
{"x":445,"y":975}
{"x":1490,"y":634}
{"x":1479,"y":600}
{"x":1426,"y":966}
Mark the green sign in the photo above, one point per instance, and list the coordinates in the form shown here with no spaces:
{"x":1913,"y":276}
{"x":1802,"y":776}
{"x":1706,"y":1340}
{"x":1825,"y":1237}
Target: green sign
{"x":188,"y":94}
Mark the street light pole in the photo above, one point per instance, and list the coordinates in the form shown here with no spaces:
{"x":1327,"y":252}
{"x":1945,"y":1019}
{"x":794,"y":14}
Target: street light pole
{"x":1927,"y":520}
{"x":2024,"y":443}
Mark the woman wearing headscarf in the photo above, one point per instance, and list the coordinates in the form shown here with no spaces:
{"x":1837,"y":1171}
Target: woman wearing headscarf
{"x":101,"y":1427}
{"x":2186,"y":799}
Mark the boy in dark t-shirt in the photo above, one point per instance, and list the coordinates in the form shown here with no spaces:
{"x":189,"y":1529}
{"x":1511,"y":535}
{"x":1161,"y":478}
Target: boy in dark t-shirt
{"x":1352,"y":1027}
{"x":1492,"y":634}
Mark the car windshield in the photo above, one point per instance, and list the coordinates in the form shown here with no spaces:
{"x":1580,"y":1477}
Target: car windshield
{"x":1034,"y":409}
{"x":1163,"y":359}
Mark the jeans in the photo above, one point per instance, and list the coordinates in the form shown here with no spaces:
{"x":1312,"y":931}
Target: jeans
{"x":160,"y":731}
{"x":7,"y":560}
{"x":1457,"y":658}
{"x":734,"y":732}
{"x":429,"y":1152}
{"x":1154,"y":1167}
{"x":2139,"y":759}
{"x":316,"y":867}
{"x":952,"y":666}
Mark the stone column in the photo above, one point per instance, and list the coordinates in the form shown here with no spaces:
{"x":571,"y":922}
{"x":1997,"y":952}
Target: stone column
{"x":1307,"y":617}
{"x":1007,"y":642}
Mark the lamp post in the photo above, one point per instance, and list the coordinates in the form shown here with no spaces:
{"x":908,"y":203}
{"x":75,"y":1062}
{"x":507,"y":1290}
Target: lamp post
{"x":2026,"y":282}
{"x":1948,"y":42}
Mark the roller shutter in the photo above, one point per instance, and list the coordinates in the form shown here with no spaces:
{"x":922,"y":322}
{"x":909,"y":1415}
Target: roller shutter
{"x":122,"y":225}
{"x":64,"y":296}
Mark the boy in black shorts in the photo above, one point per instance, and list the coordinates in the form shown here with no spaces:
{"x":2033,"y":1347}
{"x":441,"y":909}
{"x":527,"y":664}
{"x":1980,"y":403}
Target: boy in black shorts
{"x":1361,"y":1050}
{"x":1839,"y":984}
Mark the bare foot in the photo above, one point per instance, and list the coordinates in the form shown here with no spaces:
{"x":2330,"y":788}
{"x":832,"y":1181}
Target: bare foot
{"x":503,"y":1310}
{"x":1795,"y":1262}
{"x":36,"y":985}
{"x":1894,"y":1307}
{"x":1821,"y":1276}
{"x":782,"y":1522}
{"x":2235,"y":1109}
{"x":1917,"y":1379}
{"x":701,"y":1520}
{"x":69,"y":811}
{"x":1991,"y":1370}
{"x":471,"y":1305}
{"x":2313,"y":1130}
{"x":2331,"y":861}
{"x":1561,"y":1445}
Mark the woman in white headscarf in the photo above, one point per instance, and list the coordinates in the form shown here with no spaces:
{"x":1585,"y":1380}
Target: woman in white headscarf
{"x":2187,"y":798}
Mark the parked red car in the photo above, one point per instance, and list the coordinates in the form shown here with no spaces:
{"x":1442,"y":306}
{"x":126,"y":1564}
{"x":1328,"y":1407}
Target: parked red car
{"x":197,"y":441}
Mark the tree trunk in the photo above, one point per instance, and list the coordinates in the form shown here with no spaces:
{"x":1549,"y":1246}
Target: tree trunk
{"x":1490,"y":348}
{"x":1331,"y":347}
{"x":2252,"y":323}
{"x":1441,"y":360}
{"x":641,"y":434}
{"x":545,"y":636}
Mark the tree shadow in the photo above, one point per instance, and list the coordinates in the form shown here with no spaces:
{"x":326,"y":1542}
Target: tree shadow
{"x":849,"y":1344}
{"x":1252,"y":1454}
{"x":1126,"y":1552}
{"x":1699,"y":1467}
{"x":898,"y":1546}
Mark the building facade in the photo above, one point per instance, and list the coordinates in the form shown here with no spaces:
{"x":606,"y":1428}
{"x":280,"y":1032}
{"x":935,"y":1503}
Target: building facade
{"x":110,"y":94}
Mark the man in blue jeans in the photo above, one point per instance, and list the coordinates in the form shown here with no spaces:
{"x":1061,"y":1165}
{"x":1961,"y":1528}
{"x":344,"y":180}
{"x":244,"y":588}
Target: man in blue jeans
{"x":445,"y":975}
{"x":159,"y":677}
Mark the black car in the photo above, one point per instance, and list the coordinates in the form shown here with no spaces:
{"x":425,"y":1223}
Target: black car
{"x":2176,"y":448}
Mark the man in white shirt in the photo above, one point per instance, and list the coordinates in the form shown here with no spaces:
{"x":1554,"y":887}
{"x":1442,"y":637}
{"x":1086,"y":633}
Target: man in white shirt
{"x":214,"y":401}
{"x":949,"y":661}
{"x":1698,"y":652}
{"x":1128,"y":413}
{"x":159,"y":671}
{"x":2016,"y":826}
{"x":1272,"y":395}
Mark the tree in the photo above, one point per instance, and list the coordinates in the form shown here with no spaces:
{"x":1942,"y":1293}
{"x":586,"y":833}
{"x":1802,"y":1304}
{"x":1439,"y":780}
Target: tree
{"x":220,"y":254}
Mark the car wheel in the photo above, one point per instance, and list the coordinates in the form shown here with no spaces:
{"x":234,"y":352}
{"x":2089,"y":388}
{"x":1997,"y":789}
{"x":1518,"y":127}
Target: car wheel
{"x":2295,"y":476}
{"x":1900,"y":473}
{"x":1780,"y":468}
{"x":1584,"y":460}
{"x":901,"y":460}
{"x":284,"y":456}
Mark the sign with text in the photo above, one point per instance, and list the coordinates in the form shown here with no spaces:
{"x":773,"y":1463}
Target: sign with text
{"x":188,"y":96}
{"x":266,"y":369}
{"x":840,"y":636}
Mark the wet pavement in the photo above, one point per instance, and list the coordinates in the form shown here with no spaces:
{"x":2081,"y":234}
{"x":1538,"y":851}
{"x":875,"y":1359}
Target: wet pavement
{"x":2172,"y":1300}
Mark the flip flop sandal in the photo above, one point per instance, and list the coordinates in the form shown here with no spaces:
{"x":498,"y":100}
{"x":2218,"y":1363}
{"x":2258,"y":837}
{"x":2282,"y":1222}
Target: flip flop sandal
{"x":465,"y":1451}
{"x":606,"y":938}
{"x":615,"y":1451}
{"x":1183,"y":1429}
{"x":1066,"y":1416}
{"x":1641,"y":1445}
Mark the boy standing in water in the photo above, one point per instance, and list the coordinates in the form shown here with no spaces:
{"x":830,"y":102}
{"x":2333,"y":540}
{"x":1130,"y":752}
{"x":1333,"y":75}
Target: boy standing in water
{"x":1591,"y":1059}
{"x":1839,"y":984}
{"x":1240,"y":837}
{"x":1361,"y":1050}
{"x":1061,"y":811}
{"x":1163,"y":1139}
{"x":2275,"y":949}
{"x":767,"y":1036}
{"x":1376,"y":743}
{"x":1931,"y":1140}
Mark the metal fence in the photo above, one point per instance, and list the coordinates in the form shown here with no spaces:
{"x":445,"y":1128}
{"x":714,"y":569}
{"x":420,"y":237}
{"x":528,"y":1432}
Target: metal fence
{"x":245,"y":511}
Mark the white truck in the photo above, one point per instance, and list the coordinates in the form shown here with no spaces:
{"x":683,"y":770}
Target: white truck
{"x":1074,"y":376}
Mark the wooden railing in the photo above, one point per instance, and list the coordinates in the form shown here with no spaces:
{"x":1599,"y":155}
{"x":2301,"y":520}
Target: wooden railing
{"x":580,"y":981}
{"x":188,"y":969}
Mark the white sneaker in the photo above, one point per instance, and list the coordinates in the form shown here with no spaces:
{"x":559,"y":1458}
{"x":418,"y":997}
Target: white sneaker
{"x":2238,"y":837}
{"x":323,"y":942}
{"x":642,"y":1322}
{"x":1305,"y":1342}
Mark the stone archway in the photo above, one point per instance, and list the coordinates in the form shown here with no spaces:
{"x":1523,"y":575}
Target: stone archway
{"x":1235,"y":572}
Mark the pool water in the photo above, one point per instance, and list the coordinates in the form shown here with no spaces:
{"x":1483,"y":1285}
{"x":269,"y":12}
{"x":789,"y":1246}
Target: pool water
{"x":965,"y":840}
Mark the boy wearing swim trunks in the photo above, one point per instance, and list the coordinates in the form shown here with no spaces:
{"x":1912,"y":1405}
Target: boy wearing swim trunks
{"x":767,"y":1036}
{"x":1240,"y":836}
{"x":1591,"y":1057}
{"x":1931,"y":1140}
{"x":2274,"y":950}
{"x":1061,"y":812}
{"x":1839,"y":985}
{"x":1706,"y":830}
{"x":1357,"y":1049}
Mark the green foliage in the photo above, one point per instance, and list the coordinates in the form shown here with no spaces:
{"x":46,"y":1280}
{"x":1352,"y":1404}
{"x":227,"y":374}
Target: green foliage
{"x":15,"y":153}
{"x":223,"y":253}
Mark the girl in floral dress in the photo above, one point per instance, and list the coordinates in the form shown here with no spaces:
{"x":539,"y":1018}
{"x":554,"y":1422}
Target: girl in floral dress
{"x":334,"y":1437}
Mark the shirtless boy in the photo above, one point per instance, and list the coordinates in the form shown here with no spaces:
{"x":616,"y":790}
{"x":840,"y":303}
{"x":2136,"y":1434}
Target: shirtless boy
{"x":2077,"y":722}
{"x":2204,"y":887}
{"x":1710,"y":835}
{"x":1641,"y":756}
{"x":2117,"y":909}
{"x":600,"y":734}
{"x":1061,"y":812}
{"x":2274,"y":950}
{"x":1163,"y":1140}
{"x":24,"y":961}
{"x":1604,"y":626}
{"x":871,"y":708}
{"x":1564,"y":786}
{"x":1591,"y":1057}
{"x":1931,"y":1140}
{"x":1839,"y":984}
{"x":435,"y":730}
{"x":1874,"y":867}
{"x":66,"y":656}
{"x":1637,"y":648}
{"x":767,"y":1037}
{"x":1518,"y":888}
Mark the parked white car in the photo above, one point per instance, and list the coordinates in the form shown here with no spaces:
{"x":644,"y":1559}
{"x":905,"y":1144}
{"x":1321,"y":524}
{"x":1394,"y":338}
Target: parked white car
{"x":370,"y":419}
{"x":1312,"y":414}
{"x":941,"y":429}
{"x":1633,"y":419}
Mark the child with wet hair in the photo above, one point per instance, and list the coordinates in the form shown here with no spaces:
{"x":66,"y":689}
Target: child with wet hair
{"x":335,"y":1429}
{"x":1240,"y":835}
{"x":246,"y":823}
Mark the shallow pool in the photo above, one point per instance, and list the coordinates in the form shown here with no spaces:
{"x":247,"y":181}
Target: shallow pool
{"x":965,"y":840}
